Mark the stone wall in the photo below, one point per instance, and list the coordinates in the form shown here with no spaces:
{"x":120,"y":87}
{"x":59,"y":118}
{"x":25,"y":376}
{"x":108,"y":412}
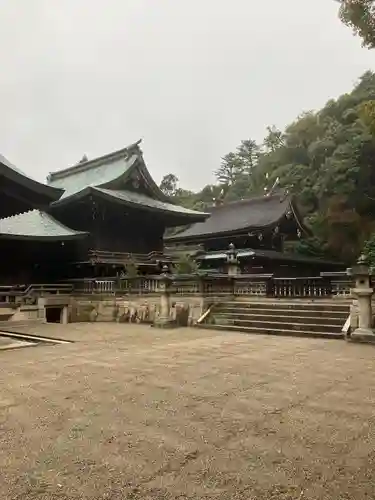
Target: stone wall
{"x":184,"y":311}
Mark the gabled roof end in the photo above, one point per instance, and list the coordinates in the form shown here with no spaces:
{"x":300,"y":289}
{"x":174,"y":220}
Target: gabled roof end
{"x":96,"y":162}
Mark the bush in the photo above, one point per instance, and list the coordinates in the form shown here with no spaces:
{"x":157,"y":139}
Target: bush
{"x":369,"y":250}
{"x":131,"y":269}
{"x":185,"y":265}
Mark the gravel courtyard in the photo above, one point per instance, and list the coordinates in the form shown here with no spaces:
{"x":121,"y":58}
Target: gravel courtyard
{"x":131,"y":412}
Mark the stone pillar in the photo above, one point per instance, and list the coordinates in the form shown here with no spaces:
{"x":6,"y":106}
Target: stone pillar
{"x":164,"y":319}
{"x":42,"y":309}
{"x":65,"y":315}
{"x":363,"y":293}
{"x":233,"y":264}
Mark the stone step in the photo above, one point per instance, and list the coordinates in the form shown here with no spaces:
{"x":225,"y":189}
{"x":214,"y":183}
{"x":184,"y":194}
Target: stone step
{"x":287,"y":306}
{"x":303,"y":319}
{"x":267,"y":331}
{"x":261,"y":324}
{"x":276,"y":311}
{"x":6,"y":313}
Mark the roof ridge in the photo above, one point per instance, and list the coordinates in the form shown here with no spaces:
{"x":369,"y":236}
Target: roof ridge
{"x":255,"y":199}
{"x":143,"y":196}
{"x":9,"y":164}
{"x":95,"y":162}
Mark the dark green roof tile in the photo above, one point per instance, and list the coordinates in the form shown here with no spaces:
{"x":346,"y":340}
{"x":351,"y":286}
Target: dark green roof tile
{"x":143,"y":200}
{"x":90,"y":174}
{"x":36,"y":225}
{"x":253,"y":213}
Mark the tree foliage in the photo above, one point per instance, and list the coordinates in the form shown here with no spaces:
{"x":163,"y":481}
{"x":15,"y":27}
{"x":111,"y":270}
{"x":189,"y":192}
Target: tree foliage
{"x":369,"y":251}
{"x":326,"y":158}
{"x":360,"y":16}
{"x":168,"y":184}
{"x":130,"y":268}
{"x":185,"y":265}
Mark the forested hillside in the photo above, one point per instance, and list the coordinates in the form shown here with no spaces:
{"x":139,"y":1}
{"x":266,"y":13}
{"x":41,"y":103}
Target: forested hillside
{"x":326,"y":158}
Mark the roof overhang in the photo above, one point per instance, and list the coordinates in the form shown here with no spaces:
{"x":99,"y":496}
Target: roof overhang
{"x":43,"y":238}
{"x":239,"y":219}
{"x":36,"y":225}
{"x":245,"y":253}
{"x":136,"y":201}
{"x":10,"y":172}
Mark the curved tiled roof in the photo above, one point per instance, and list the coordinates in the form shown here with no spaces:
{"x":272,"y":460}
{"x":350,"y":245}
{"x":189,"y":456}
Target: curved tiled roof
{"x":93,"y":173}
{"x":110,"y":171}
{"x":9,"y":171}
{"x":254,"y":213}
{"x":108,"y":176}
{"x":36,"y":225}
{"x":139,"y":200}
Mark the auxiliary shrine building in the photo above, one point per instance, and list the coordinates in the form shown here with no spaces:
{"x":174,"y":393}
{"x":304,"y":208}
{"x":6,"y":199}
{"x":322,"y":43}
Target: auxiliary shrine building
{"x":88,"y":221}
{"x":258,"y":228}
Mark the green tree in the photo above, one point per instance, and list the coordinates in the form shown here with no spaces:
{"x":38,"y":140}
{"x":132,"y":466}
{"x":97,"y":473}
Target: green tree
{"x":248,"y":155}
{"x":366,"y":112}
{"x":325,"y":158}
{"x":274,"y":139}
{"x":369,"y":250}
{"x":185,"y":265}
{"x":169,"y":184}
{"x":360,"y":16}
{"x":231,"y":168}
{"x":131,"y":268}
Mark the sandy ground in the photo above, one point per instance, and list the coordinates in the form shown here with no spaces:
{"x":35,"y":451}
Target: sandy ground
{"x":130,"y":412}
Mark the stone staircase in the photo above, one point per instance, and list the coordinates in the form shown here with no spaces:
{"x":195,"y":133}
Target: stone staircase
{"x":6,"y":312}
{"x":323,"y":318}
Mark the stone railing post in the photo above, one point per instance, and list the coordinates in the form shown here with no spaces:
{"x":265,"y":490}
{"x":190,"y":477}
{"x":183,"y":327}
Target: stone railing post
{"x":164,"y":319}
{"x":363,"y":293}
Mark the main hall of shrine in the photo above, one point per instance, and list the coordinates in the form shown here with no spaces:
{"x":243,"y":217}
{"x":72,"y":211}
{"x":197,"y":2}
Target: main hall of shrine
{"x":88,"y":221}
{"x":93,"y":218}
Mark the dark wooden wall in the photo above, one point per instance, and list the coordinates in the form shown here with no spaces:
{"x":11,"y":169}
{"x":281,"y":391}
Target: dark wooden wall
{"x":25,"y":262}
{"x":113,"y":227}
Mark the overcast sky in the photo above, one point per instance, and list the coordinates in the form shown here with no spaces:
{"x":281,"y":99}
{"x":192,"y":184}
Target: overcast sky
{"x":190,"y":77}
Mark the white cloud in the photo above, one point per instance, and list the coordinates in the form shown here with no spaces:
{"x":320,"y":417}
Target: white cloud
{"x":192,"y":77}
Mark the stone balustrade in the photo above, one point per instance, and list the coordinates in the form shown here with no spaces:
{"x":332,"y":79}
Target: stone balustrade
{"x":327,"y":285}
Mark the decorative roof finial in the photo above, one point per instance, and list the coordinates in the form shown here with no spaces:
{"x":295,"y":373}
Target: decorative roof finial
{"x":84,"y":159}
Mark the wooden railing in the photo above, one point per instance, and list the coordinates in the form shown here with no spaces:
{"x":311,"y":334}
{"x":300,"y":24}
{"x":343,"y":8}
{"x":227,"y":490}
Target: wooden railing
{"x":104,"y":256}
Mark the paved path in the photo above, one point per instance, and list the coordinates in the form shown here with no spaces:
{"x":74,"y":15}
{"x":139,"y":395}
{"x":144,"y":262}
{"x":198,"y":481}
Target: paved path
{"x":133,"y":412}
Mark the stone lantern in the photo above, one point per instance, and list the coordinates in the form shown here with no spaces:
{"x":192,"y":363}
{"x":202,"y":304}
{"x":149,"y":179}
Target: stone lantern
{"x":363,"y":292}
{"x":232,"y":261}
{"x":164,"y":319}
